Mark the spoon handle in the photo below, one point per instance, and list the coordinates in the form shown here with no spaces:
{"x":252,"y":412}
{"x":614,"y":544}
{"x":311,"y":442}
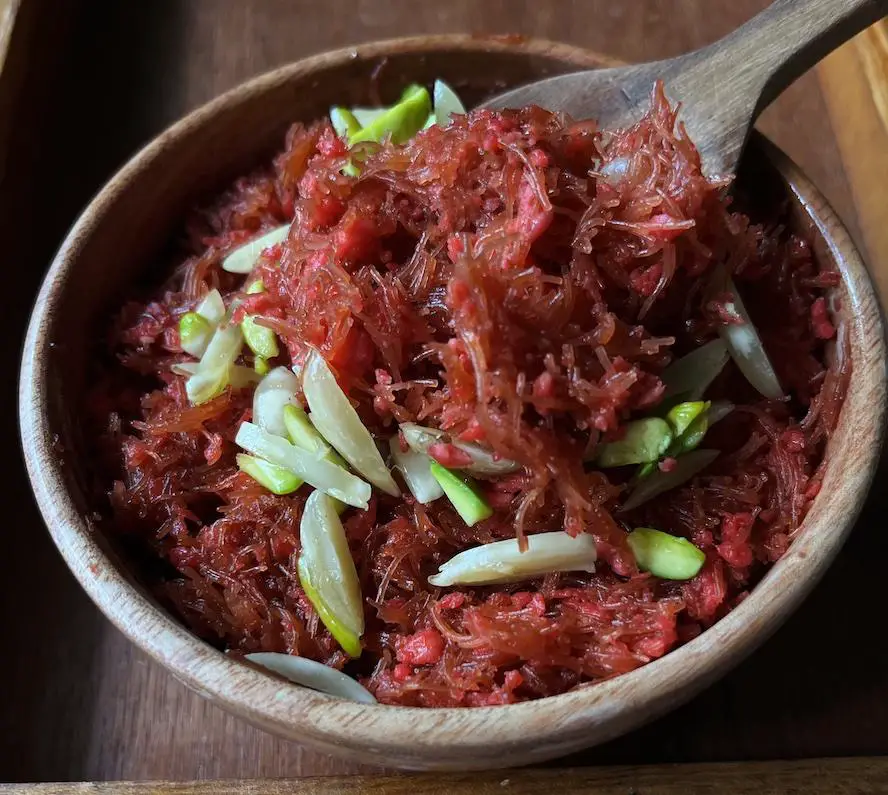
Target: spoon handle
{"x":732,"y":80}
{"x":776,"y":46}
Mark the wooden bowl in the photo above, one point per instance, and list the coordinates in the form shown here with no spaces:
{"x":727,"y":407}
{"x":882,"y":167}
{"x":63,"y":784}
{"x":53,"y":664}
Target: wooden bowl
{"x":125,"y":228}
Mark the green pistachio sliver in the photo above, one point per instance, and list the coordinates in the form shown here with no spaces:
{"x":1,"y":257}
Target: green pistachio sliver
{"x":274,"y":478}
{"x":214,"y":369}
{"x":303,"y":434}
{"x":682,"y":415}
{"x":697,"y":430}
{"x":195,"y":332}
{"x":259,"y":339}
{"x":212,"y":307}
{"x":644,"y":470}
{"x":261,"y":365}
{"x":327,"y":477}
{"x":692,"y":437}
{"x":411,"y":91}
{"x":416,"y":470}
{"x":664,"y":555}
{"x":327,"y":572}
{"x":463,"y":494}
{"x":255,"y":287}
{"x":344,"y":122}
{"x":644,"y":441}
{"x":401,"y":121}
{"x":344,"y":635}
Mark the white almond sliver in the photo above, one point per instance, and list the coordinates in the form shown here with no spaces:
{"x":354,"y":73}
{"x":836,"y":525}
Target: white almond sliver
{"x":338,"y":422}
{"x":330,"y":478}
{"x":243,"y":259}
{"x":314,"y":675}
{"x":276,"y":390}
{"x":417,"y":472}
{"x":503,"y":562}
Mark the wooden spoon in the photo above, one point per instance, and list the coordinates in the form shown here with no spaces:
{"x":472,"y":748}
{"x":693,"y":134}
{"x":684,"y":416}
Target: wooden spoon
{"x":722,"y":87}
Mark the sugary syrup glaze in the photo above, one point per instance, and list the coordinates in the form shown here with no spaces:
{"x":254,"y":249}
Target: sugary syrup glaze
{"x":519,"y":279}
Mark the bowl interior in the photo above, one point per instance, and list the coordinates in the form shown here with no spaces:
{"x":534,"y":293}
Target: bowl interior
{"x":122,"y":236}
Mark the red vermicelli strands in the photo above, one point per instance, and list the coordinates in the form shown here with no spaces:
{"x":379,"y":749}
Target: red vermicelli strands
{"x":518,"y":280}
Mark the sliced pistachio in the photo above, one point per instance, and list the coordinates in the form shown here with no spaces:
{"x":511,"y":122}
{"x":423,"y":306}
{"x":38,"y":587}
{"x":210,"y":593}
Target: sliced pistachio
{"x":303,"y":434}
{"x":682,"y":415}
{"x":344,"y":122}
{"x":205,"y":385}
{"x":274,"y":478}
{"x":643,"y":440}
{"x":688,"y":421}
{"x":196,"y":328}
{"x":195,"y":332}
{"x":259,"y":339}
{"x":504,"y":562}
{"x":327,"y":477}
{"x":261,"y":365}
{"x":241,"y":377}
{"x":327,"y":573}
{"x":463,"y":494}
{"x":664,"y":555}
{"x":692,"y":437}
{"x":696,"y":431}
{"x":401,"y":121}
{"x":214,"y":369}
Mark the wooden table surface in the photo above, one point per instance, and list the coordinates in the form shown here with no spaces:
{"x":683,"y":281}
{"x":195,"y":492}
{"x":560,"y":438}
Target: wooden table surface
{"x":84,"y":84}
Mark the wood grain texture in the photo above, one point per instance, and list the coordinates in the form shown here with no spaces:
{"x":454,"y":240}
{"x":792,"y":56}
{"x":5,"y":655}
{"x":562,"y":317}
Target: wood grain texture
{"x":814,"y":777}
{"x":79,"y":701}
{"x":855,"y":85}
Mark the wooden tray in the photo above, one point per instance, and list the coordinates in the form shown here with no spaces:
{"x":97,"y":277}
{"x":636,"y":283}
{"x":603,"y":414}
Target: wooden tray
{"x":85,"y":83}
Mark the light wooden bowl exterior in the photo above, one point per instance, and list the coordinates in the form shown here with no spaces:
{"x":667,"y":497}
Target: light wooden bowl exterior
{"x":114,"y":242}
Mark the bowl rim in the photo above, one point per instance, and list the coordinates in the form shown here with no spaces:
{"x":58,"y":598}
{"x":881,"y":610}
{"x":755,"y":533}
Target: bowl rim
{"x":437,"y":737}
